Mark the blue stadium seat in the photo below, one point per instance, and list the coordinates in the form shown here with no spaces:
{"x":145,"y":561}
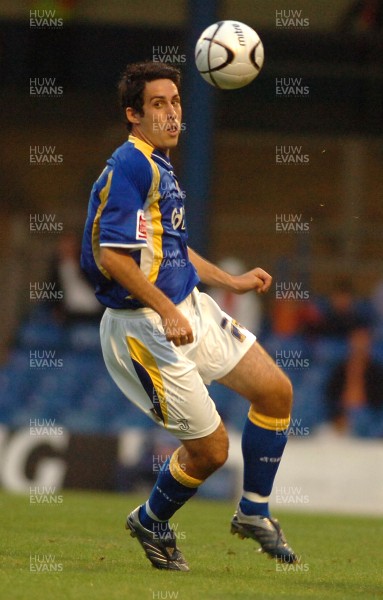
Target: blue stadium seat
{"x":36,"y":336}
{"x":78,"y":421}
{"x":84,"y":337}
{"x":13,"y":384}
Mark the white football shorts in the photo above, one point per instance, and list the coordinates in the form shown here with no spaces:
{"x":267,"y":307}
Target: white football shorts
{"x":168,"y":382}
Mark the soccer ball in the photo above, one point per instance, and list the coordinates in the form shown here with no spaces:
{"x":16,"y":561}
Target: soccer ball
{"x":229,"y":54}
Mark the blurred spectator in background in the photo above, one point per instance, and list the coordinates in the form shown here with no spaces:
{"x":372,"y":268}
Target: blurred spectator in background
{"x":78,"y":302}
{"x":287,"y":316}
{"x":363,"y":16}
{"x":340,"y":316}
{"x":354,"y":391}
{"x":245,"y":308}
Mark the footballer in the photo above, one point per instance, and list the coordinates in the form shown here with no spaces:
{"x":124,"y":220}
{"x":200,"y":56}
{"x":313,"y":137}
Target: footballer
{"x":163,"y":341}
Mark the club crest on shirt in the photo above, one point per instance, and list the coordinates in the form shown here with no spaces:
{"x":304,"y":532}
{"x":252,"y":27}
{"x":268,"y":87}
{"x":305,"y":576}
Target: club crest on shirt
{"x":141,"y":233}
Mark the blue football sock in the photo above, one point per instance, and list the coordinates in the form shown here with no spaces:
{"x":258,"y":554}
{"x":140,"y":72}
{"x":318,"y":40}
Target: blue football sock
{"x":263,"y":441}
{"x":171,"y":490}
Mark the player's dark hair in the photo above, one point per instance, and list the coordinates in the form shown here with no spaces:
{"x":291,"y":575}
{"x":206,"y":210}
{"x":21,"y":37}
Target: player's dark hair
{"x":132,"y":83}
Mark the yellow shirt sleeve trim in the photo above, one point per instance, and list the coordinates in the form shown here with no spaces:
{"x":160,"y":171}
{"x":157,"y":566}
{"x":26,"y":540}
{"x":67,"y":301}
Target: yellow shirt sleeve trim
{"x":104,"y":194}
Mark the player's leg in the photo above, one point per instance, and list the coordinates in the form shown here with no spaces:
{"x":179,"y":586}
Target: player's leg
{"x":166,"y":385}
{"x":201,"y":457}
{"x":181,"y":475}
{"x":259,"y":379}
{"x":178,"y":481}
{"x":240,"y":363}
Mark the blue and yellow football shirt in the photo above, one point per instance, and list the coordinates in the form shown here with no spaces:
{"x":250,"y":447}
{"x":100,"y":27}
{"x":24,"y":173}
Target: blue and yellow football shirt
{"x":137,"y":204}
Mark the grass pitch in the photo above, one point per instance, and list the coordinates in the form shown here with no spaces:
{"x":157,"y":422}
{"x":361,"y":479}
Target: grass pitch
{"x":78,"y":550}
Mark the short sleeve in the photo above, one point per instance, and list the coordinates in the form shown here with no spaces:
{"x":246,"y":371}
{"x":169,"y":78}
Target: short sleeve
{"x":122,"y":222}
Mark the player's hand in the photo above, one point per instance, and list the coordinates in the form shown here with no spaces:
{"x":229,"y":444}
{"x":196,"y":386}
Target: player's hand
{"x":256,"y":279}
{"x":177,"y":328}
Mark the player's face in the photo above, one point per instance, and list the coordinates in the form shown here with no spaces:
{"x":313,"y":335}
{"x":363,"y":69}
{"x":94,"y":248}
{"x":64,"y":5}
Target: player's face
{"x":160,"y":124}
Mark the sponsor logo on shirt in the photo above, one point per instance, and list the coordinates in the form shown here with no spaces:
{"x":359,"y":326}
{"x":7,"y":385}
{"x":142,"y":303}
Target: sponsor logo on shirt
{"x":178,"y":218}
{"x":141,"y":233}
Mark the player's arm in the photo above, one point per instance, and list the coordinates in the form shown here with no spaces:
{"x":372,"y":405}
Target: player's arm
{"x":123,"y":268}
{"x":256,"y":279}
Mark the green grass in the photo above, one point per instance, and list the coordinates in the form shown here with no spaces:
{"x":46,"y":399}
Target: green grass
{"x":94,"y":557}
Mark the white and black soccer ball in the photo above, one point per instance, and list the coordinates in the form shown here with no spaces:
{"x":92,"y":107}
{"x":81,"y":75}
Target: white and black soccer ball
{"x":229,"y":54}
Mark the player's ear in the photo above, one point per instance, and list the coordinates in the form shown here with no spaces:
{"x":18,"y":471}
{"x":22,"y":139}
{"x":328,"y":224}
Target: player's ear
{"x":132,"y":115}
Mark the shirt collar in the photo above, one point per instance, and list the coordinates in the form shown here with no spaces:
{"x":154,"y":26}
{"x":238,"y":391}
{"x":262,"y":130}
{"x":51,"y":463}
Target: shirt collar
{"x":157,"y":155}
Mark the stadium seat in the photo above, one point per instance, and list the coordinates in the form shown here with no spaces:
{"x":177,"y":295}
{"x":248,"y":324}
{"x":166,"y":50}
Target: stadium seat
{"x":41,"y":335}
{"x":84,"y":337}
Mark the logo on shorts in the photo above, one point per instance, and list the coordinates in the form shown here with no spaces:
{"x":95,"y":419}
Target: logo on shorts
{"x":183,"y":424}
{"x":235,"y":328}
{"x":141,"y":233}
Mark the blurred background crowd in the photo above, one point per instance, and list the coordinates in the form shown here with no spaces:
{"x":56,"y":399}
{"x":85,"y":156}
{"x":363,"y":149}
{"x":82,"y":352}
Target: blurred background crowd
{"x":314,"y":222}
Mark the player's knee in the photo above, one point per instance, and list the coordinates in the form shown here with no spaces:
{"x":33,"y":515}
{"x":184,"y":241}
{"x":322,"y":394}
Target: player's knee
{"x":282,"y":396}
{"x":278,"y":395}
{"x":215,"y":454}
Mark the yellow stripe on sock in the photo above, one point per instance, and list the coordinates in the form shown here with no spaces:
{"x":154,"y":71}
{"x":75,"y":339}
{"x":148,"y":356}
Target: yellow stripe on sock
{"x":273,"y":423}
{"x":180,"y":475}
